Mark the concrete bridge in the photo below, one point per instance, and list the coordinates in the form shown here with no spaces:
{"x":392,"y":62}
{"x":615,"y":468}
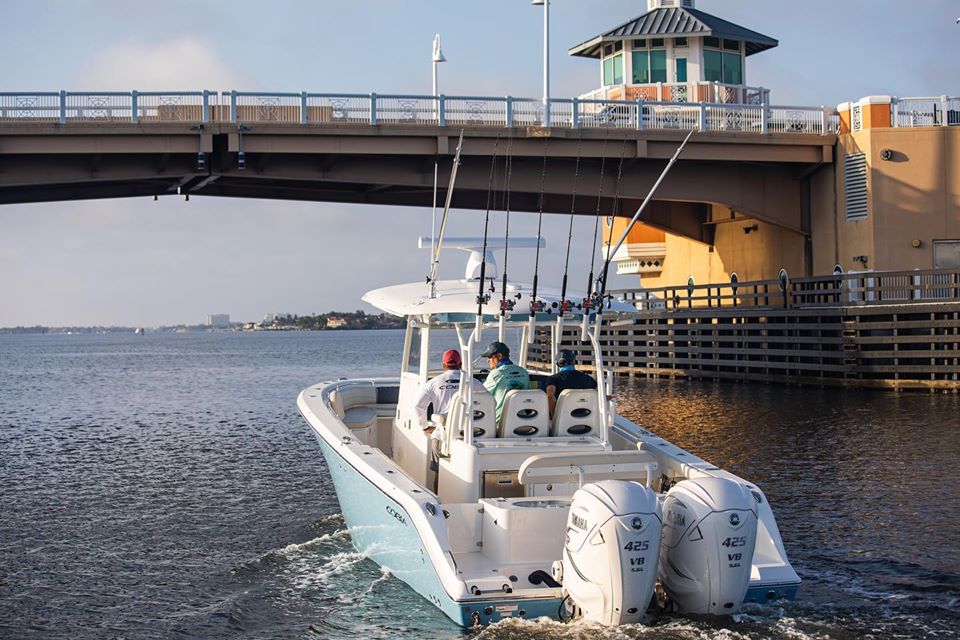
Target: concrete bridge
{"x":753,"y":159}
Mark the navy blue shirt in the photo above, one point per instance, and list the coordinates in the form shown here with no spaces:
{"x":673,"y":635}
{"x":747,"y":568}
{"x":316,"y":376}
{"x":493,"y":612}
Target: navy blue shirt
{"x":570,"y":378}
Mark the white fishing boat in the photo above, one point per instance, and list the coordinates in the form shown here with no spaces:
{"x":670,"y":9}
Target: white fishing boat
{"x":580,"y":514}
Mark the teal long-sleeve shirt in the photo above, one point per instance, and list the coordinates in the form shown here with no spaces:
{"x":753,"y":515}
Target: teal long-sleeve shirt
{"x":506,"y":377}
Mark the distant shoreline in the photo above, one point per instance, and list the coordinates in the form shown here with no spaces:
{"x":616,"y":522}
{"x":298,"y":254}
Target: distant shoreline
{"x":333,"y":321}
{"x":66,"y":331}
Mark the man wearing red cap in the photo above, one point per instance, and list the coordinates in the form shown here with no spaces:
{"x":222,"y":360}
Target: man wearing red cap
{"x":441,"y":390}
{"x":439,"y":393}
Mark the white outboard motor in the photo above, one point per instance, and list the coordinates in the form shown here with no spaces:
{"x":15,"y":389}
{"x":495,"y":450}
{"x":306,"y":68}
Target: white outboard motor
{"x":709,"y":533}
{"x":609,"y":566}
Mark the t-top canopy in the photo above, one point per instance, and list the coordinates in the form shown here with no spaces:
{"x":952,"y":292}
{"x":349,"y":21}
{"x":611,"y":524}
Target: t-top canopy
{"x":456,"y":300}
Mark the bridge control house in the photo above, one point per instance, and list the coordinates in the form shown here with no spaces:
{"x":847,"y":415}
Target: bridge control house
{"x":676,"y":53}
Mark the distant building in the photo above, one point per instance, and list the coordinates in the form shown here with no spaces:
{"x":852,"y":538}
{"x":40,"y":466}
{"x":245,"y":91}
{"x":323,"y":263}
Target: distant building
{"x":335,"y":322}
{"x":218,"y":320}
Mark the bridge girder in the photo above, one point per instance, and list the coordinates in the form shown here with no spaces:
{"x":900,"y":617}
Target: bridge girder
{"x":758,"y":175}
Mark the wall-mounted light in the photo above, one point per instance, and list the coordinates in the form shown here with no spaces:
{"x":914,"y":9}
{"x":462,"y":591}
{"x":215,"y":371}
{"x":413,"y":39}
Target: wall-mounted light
{"x":748,"y":230}
{"x":886,"y":154}
{"x":916,"y":243}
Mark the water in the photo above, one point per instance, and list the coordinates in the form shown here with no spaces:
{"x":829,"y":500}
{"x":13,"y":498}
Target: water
{"x":165,"y":486}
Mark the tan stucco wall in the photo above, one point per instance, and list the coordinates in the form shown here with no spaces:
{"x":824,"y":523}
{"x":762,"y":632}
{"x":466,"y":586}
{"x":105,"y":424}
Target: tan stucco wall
{"x":823,"y":220}
{"x":913,"y":196}
{"x":758,"y":255}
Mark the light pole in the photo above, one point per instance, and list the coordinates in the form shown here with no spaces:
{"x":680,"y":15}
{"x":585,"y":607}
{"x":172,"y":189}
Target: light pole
{"x":437,"y":59}
{"x":546,"y":60}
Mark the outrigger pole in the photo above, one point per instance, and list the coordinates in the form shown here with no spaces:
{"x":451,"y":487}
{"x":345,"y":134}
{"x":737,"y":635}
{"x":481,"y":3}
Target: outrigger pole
{"x":602,"y":382}
{"x":612,"y":251}
{"x":435,"y":263}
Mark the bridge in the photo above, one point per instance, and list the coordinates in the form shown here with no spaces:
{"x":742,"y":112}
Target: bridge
{"x":754,"y":159}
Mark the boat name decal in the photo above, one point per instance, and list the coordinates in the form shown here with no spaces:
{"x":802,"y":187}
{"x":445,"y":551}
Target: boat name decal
{"x":396,"y":515}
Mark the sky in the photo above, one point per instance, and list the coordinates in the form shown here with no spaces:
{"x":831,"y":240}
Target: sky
{"x":136,"y":262}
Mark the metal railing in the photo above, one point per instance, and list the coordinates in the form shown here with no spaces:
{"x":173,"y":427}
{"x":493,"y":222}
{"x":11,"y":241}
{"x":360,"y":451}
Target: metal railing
{"x":843,"y":289}
{"x":414,"y":110}
{"x":939,"y":111}
{"x":715,"y":92}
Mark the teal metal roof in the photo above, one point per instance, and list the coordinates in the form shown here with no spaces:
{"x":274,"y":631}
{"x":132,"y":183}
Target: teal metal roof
{"x":676,"y":22}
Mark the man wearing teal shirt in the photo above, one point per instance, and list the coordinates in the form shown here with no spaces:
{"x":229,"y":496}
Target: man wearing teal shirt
{"x":504,"y":376}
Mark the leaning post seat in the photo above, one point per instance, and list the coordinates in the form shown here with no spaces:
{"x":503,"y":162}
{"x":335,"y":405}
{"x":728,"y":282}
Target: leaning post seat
{"x":525,"y":414}
{"x":484,"y":411}
{"x":577,"y":413}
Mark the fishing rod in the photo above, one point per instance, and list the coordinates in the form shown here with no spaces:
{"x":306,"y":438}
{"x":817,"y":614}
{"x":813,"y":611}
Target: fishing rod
{"x":587,"y":302}
{"x":435,"y":263}
{"x":566,"y":305}
{"x":537,"y":306}
{"x":505,"y":304}
{"x":483,"y":298}
{"x":465,"y":392}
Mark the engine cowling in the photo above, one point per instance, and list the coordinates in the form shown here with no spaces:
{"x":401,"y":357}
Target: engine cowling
{"x":610,"y":555}
{"x":709,"y":535}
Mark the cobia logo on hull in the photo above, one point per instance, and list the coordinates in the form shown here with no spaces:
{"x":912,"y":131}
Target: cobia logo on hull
{"x":396,"y":515}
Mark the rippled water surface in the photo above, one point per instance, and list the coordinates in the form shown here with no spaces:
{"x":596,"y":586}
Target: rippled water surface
{"x":165,"y":487}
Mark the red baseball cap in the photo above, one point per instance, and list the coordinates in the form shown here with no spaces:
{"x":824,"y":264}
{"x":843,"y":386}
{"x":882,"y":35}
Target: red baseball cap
{"x":451,"y":358}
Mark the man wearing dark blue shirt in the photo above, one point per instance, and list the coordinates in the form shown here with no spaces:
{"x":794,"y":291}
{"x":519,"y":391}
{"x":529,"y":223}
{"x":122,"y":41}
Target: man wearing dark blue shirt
{"x":566,"y":378}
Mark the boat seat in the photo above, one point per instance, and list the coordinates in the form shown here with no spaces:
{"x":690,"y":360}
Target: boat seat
{"x":577,"y":413}
{"x":345,"y":397}
{"x":484,"y":411}
{"x":359,"y":417}
{"x":525,"y":414}
{"x":555,"y":468}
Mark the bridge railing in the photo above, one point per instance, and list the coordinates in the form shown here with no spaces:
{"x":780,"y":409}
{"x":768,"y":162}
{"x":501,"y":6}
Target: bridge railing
{"x":842,"y":289}
{"x":109,"y":106}
{"x":937,"y":111}
{"x":416,"y":110}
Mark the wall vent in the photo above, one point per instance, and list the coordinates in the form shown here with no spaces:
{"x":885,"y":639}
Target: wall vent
{"x":855,"y":185}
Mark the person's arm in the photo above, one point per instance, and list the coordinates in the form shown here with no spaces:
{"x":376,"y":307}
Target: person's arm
{"x":424,"y":398}
{"x":551,"y":397}
{"x":491,"y":382}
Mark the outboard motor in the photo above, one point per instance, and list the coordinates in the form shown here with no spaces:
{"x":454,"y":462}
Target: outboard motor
{"x":709,"y":533}
{"x":609,"y":565}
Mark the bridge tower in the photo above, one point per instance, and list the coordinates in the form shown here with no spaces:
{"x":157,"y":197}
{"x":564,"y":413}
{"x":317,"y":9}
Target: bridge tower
{"x":675,"y":53}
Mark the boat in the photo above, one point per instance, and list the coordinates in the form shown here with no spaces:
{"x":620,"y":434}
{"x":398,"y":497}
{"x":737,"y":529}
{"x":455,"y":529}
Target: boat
{"x":583,"y":515}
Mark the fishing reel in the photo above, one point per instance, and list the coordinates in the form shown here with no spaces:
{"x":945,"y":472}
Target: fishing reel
{"x":538,"y":306}
{"x":566,"y":306}
{"x":483,"y":299}
{"x":507,"y":304}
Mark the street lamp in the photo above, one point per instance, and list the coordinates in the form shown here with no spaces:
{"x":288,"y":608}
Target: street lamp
{"x":437,"y":59}
{"x":546,"y":60}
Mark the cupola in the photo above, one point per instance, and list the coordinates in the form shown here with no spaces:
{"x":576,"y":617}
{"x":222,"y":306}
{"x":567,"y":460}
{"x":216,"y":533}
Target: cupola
{"x":669,"y":4}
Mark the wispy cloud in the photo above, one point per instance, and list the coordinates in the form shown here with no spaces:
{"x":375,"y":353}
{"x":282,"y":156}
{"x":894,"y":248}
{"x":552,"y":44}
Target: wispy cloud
{"x":185,"y":63}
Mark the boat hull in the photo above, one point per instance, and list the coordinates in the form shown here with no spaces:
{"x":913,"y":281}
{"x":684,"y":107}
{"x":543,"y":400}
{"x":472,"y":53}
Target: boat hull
{"x":381,"y":529}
